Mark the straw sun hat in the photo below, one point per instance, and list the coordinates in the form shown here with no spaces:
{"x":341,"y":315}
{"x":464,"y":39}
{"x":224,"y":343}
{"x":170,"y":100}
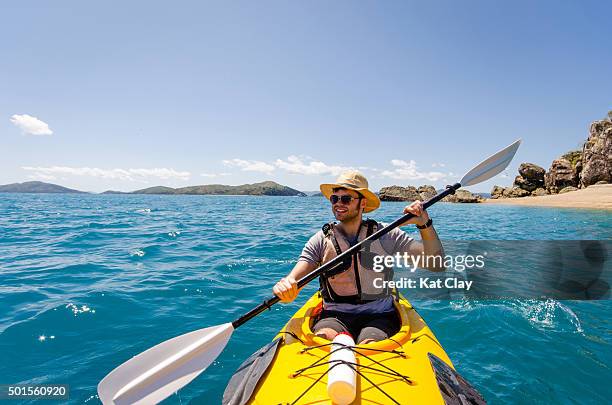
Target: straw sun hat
{"x":353,"y":180}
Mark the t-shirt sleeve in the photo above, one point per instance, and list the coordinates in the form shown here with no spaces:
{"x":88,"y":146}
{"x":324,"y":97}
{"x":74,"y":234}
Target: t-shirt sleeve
{"x":314,"y":249}
{"x":396,"y":241}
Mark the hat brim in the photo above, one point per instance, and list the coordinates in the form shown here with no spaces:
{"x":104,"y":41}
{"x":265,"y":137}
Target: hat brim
{"x":372,"y":200}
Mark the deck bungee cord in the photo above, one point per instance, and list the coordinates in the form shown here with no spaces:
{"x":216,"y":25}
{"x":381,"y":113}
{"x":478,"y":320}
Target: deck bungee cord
{"x":356,"y":366}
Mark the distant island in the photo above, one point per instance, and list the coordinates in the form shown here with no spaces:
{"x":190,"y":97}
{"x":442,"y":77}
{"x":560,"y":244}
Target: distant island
{"x":268,"y":188}
{"x":36,"y":187}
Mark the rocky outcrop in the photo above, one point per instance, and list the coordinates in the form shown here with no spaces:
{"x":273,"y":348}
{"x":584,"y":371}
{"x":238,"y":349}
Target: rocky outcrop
{"x":532,"y":172}
{"x":525,"y":184}
{"x":408,"y":193}
{"x":575,"y":158}
{"x":463,"y":196}
{"x":567,"y":189}
{"x":539,"y":192}
{"x":497,"y":192}
{"x":560,"y":175}
{"x":515,"y":192}
{"x":580,"y":169}
{"x":397,"y":193}
{"x":597,"y":154}
{"x":573,"y":170}
{"x":531,"y":177}
{"x":426,"y":192}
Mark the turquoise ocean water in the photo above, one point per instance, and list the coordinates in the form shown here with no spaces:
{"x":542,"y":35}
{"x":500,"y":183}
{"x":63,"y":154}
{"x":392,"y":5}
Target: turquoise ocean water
{"x":87,"y":281}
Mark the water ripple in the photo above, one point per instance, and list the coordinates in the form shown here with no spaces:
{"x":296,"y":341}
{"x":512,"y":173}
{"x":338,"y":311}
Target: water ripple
{"x":87,"y":281}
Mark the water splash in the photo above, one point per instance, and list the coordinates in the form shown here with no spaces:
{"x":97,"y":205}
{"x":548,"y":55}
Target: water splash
{"x":76,"y":310}
{"x":137,"y":252}
{"x":258,"y":261}
{"x":549,"y":314}
{"x":462,"y":304}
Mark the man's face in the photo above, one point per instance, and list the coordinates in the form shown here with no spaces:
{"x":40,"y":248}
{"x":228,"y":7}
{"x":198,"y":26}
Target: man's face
{"x":346,"y":212}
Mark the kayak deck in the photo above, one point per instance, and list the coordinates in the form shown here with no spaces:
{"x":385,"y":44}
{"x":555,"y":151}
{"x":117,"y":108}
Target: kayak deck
{"x":395,"y":370}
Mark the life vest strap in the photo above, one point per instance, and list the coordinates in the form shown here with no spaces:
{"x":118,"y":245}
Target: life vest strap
{"x":353,"y":261}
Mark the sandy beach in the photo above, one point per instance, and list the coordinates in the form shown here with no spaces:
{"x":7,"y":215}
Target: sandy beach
{"x":596,"y":197}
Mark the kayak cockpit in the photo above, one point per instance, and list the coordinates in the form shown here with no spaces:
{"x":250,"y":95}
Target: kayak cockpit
{"x":303,"y":328}
{"x":409,"y":367}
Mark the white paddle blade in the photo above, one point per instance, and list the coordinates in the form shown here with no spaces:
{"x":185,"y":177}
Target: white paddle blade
{"x":491,"y":167}
{"x":157,"y":373}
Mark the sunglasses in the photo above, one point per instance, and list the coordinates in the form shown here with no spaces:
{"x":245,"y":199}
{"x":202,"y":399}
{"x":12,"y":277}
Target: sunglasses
{"x":345,"y":199}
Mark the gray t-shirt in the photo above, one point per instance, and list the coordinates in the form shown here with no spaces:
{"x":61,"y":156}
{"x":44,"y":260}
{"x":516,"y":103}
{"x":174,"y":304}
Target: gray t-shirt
{"x":394,"y":241}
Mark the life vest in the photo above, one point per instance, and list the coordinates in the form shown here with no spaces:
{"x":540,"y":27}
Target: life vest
{"x":353,"y":280}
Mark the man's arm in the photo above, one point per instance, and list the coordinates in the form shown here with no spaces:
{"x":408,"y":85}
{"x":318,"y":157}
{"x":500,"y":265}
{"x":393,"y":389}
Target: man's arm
{"x":312,"y":254}
{"x":286,"y":289}
{"x":429,"y":245}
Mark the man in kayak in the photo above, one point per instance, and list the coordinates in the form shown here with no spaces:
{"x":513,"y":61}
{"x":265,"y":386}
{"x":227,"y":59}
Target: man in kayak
{"x":354,"y":299}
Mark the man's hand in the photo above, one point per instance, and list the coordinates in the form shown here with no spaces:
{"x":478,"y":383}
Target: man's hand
{"x":286,"y":289}
{"x":420,"y":215}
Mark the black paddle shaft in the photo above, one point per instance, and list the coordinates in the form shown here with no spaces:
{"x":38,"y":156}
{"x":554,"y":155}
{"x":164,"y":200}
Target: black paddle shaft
{"x":337,"y":261}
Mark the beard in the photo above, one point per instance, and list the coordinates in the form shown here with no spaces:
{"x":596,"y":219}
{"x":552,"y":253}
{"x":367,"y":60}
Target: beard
{"x":348,"y":216}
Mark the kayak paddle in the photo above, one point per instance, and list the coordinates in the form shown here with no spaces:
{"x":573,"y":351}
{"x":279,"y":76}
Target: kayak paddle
{"x":158,"y":372}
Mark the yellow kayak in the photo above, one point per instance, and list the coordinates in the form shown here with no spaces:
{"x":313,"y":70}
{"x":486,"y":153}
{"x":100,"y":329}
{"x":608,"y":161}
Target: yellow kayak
{"x":408,"y":368}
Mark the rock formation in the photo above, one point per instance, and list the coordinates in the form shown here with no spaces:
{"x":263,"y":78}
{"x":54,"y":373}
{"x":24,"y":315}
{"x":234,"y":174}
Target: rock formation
{"x":408,"y":193}
{"x":463,"y":196}
{"x":398,"y":193}
{"x":573,"y":170}
{"x":567,"y":189}
{"x":515,"y":192}
{"x":538,"y":192}
{"x":427,"y":192}
{"x":497,"y":192}
{"x":530,"y":177}
{"x":597,"y":154}
{"x":560,"y":175}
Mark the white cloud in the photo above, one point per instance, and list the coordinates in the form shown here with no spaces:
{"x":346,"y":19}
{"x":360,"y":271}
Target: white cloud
{"x":161,"y":173}
{"x":438,"y":165}
{"x":409,"y":171}
{"x":308,"y":166}
{"x":211,"y":175}
{"x":250,"y":165}
{"x":42,"y":176}
{"x":30,"y":125}
{"x":114,"y":174}
{"x":294,"y":164}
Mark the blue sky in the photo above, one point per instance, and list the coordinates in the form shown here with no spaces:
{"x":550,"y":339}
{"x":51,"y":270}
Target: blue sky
{"x":137,"y":94}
